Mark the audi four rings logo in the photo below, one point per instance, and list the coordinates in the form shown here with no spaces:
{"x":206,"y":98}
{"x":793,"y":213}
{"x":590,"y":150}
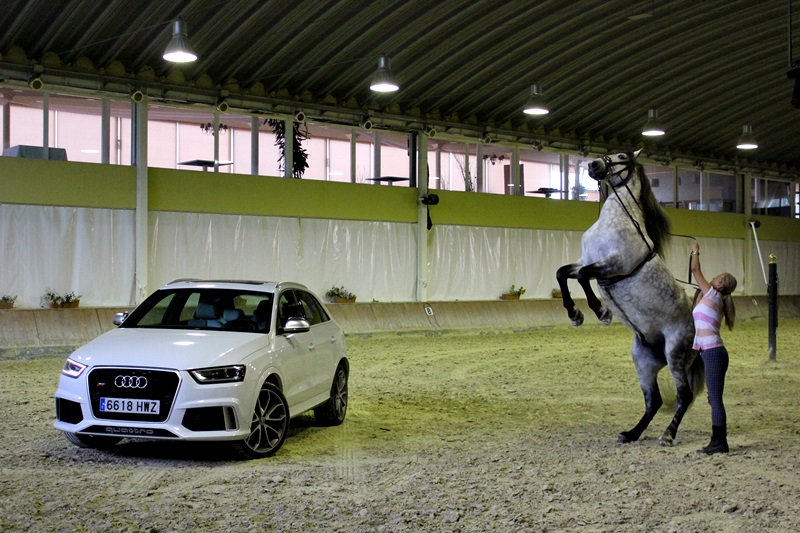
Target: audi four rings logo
{"x":130,"y":382}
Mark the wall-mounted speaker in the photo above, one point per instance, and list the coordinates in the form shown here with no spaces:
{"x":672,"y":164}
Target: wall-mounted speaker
{"x":36,"y":83}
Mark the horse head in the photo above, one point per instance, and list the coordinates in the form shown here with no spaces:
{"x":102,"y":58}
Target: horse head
{"x":616,"y":169}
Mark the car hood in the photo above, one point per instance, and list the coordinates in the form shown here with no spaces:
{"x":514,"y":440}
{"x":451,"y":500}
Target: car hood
{"x":178,"y":349}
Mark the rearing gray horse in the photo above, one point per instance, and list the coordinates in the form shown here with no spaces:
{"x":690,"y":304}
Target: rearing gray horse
{"x":622,"y":251}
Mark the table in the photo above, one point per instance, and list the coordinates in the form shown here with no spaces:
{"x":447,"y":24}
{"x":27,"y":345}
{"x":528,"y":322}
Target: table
{"x":205,"y":163}
{"x":388,"y":179}
{"x":547,"y":191}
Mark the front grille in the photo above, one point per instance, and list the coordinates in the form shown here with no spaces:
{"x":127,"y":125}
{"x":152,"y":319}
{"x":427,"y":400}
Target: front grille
{"x":161,"y":385}
{"x":68,"y":411}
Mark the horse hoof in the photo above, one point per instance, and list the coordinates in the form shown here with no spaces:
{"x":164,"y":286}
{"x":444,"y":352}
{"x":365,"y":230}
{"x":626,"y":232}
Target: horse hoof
{"x":665,"y":441}
{"x":623,"y":438}
{"x":577,"y":320}
{"x":605,"y":316}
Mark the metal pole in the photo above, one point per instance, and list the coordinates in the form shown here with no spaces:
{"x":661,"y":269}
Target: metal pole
{"x":772,"y":293}
{"x":421,"y":292}
{"x":254,"y":124}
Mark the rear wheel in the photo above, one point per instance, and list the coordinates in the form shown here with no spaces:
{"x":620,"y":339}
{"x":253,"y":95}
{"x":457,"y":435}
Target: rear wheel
{"x":91,"y":441}
{"x":268,"y":426}
{"x":333,"y":411}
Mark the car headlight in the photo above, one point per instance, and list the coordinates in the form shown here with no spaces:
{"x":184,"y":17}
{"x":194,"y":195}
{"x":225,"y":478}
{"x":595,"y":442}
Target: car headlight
{"x":72,"y":368}
{"x":219,"y":374}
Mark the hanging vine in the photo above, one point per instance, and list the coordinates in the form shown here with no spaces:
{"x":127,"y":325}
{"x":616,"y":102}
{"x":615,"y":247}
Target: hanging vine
{"x":299,"y":153}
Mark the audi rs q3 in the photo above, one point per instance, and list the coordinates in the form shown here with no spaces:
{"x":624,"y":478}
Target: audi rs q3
{"x":208,"y":361}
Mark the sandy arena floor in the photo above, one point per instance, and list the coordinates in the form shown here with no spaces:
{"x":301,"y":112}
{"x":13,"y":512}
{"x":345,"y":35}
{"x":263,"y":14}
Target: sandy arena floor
{"x":453,"y":432}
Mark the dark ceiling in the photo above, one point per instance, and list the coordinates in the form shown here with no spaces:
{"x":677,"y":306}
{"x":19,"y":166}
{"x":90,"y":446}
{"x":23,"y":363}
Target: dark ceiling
{"x":708,"y":66}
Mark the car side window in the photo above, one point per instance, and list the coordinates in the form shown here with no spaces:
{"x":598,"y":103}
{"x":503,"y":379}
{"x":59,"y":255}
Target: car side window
{"x":311,"y":308}
{"x":288,"y":307}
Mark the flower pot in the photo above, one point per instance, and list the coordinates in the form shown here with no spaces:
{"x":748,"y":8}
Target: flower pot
{"x":68,"y":305}
{"x":509,"y":296}
{"x":6,"y":305}
{"x":338,"y":300}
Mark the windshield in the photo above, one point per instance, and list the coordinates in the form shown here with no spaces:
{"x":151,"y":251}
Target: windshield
{"x":229,"y":309}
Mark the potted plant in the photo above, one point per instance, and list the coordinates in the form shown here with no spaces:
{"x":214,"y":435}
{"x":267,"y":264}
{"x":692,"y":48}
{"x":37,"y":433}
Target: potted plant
{"x":340,"y":295}
{"x":51,"y":298}
{"x":556,"y":293}
{"x":70,"y":299}
{"x":54,"y":300}
{"x":513,"y":294}
{"x":7,"y":301}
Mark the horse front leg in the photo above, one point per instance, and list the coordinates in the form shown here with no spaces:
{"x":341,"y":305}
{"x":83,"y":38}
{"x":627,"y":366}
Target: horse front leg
{"x":562,"y":275}
{"x":585,"y":276}
{"x":647,"y":367}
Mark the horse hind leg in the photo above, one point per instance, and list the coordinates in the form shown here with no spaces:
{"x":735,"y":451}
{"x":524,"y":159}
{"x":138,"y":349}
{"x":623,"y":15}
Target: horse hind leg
{"x":647,"y":367}
{"x":685,"y":396}
{"x":562,"y":275}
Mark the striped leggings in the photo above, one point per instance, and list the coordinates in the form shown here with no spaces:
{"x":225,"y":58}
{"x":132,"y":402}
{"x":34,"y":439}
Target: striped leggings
{"x":716,"y":362}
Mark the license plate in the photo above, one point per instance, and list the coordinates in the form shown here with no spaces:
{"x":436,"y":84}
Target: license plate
{"x":127,"y":405}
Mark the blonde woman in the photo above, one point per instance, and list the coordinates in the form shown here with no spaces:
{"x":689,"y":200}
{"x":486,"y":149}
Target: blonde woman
{"x":709,"y":310}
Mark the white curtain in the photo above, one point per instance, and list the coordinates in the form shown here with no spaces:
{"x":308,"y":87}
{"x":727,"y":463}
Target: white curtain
{"x":374,"y":260}
{"x":67,"y":249}
{"x":91,"y":252}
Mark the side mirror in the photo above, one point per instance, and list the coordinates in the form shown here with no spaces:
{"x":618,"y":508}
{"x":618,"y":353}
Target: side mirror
{"x":296,"y":325}
{"x":119,"y":318}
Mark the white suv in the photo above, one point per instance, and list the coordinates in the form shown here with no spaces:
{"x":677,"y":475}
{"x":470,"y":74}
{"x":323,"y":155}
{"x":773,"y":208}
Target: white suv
{"x":208,"y":361}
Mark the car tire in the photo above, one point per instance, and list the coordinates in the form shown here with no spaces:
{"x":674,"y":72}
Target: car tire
{"x":91,"y":441}
{"x":268,"y":426}
{"x":333,"y":411}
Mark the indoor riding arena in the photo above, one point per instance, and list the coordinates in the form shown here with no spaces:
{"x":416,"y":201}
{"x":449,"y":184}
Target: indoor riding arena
{"x":424,"y":169}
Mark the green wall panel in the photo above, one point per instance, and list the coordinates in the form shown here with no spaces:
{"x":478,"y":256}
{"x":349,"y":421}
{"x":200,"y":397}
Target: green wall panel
{"x":45,"y":182}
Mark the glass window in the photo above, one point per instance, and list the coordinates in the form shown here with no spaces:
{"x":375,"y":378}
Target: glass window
{"x":771,"y":197}
{"x":662,"y":181}
{"x":541,"y":173}
{"x":26,"y":120}
{"x":394,"y":155}
{"x":311,"y":308}
{"x":77,"y":127}
{"x":497,"y":170}
{"x":453,"y":166}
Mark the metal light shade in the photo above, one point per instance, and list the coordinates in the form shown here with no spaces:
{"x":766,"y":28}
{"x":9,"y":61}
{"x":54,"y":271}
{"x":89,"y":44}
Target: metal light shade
{"x":535,"y":104}
{"x":383,"y":81}
{"x":179,"y":50}
{"x":653,"y":126}
{"x":747,"y":141}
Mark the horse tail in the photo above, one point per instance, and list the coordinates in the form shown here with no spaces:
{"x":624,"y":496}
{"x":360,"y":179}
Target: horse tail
{"x":697,"y":376}
{"x":655,"y":218}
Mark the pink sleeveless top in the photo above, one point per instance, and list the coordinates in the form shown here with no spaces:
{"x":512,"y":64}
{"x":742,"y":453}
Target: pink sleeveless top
{"x":707,"y":320}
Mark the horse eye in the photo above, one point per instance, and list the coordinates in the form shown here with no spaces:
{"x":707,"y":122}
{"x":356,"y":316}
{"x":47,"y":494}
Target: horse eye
{"x":622,"y":157}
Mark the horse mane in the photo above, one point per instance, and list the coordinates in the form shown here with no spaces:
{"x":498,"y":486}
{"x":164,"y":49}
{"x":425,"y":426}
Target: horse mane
{"x":656,"y":221}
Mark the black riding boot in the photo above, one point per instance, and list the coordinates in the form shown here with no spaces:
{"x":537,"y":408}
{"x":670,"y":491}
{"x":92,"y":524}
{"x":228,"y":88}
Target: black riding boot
{"x":719,"y":441}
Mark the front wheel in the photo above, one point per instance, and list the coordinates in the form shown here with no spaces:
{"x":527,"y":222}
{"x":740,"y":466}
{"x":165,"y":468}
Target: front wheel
{"x":269,"y":425}
{"x":333,"y":411}
{"x":91,"y":441}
